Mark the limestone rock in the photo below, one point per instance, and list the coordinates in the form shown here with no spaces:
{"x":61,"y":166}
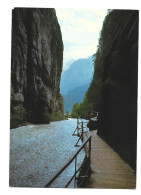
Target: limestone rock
{"x":36,"y":62}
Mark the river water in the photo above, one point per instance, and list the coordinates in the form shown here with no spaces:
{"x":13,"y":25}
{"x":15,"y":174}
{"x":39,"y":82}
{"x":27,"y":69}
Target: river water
{"x":37,"y":151}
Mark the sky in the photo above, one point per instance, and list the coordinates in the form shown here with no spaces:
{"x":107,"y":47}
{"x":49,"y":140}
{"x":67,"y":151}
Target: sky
{"x":80,"y":31}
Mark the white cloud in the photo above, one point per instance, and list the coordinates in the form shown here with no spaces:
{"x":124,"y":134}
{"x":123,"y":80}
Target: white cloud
{"x":80,"y":31}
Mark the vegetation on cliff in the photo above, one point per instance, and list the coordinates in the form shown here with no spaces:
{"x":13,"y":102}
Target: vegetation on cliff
{"x":82,"y":109}
{"x":58,"y":115}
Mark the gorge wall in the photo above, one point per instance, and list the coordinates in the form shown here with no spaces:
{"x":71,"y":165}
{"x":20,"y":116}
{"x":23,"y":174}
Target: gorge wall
{"x":113,"y":91}
{"x":36,"y":65}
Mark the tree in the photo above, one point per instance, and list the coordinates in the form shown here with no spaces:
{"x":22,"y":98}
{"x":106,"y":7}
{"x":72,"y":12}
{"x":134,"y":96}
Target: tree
{"x":75,"y":110}
{"x":67,"y":114}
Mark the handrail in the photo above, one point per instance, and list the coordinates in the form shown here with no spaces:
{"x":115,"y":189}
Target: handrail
{"x":52,"y":178}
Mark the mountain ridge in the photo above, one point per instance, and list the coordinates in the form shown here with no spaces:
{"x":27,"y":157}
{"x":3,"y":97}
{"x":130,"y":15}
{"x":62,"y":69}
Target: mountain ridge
{"x":75,"y":81}
{"x":79,"y":73}
{"x":73,"y":96}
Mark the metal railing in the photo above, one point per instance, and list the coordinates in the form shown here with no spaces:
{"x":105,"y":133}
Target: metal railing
{"x":83,"y":169}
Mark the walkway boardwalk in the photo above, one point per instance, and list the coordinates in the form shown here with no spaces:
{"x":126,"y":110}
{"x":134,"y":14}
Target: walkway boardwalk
{"x":108,"y":169}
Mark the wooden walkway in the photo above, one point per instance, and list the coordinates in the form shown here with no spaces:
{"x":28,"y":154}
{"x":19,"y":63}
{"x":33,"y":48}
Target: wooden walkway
{"x":108,"y":169}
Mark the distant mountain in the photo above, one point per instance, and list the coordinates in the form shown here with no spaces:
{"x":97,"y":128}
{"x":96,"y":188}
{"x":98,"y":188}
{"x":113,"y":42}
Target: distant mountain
{"x":67,"y":65}
{"x":75,"y":81}
{"x":79,"y":73}
{"x":73,"y":96}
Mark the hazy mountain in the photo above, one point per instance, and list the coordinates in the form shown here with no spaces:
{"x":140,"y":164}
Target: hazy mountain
{"x":75,"y":81}
{"x":79,"y":73}
{"x":67,"y":64}
{"x":73,"y":96}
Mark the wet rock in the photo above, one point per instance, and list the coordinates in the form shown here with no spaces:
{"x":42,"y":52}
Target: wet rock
{"x":36,"y":63}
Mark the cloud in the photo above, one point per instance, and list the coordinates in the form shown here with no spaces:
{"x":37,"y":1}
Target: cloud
{"x":80,"y":31}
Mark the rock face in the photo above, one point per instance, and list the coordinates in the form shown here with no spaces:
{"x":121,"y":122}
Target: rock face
{"x":36,"y":65}
{"x":115,"y":82}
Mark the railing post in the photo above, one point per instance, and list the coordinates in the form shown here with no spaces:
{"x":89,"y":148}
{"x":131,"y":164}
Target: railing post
{"x":82,"y":131}
{"x":75,"y":171}
{"x":77,"y":126}
{"x":89,"y":151}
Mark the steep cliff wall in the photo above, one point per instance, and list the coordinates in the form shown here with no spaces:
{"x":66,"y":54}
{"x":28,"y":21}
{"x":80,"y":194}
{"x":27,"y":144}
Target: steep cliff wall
{"x":113,"y":91}
{"x":36,"y":65}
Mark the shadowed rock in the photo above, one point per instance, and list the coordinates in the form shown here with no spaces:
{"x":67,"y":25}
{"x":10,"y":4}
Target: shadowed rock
{"x":36,"y":65}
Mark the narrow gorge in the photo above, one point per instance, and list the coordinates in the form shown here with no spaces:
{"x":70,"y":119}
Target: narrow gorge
{"x":98,"y":93}
{"x":36,"y":66}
